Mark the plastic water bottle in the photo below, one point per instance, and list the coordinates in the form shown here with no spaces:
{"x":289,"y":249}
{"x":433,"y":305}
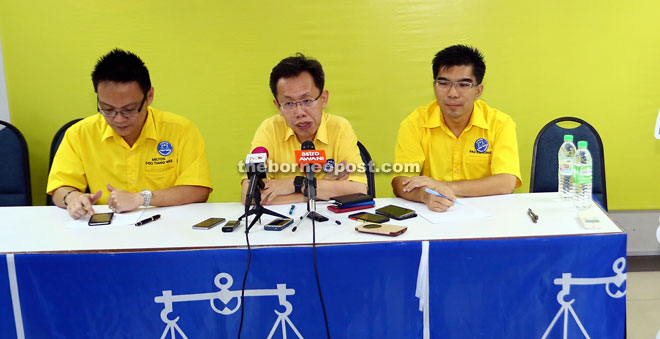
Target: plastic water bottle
{"x":565,"y":158}
{"x":583,"y":176}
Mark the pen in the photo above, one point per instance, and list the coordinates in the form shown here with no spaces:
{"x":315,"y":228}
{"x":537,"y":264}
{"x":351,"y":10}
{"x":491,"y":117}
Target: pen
{"x":532,"y":215}
{"x":293,"y":207}
{"x":430,"y":191}
{"x":148,"y":220}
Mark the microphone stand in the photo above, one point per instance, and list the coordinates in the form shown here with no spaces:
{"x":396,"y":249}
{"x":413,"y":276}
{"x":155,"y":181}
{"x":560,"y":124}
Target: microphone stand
{"x":254,"y":194}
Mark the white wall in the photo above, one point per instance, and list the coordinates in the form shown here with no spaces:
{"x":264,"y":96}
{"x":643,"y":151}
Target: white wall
{"x":4,"y":103}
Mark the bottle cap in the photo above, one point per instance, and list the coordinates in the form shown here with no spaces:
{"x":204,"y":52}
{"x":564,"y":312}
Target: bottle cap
{"x":568,"y":137}
{"x":582,"y":144}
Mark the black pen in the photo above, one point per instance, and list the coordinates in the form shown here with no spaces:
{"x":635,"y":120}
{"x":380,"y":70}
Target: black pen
{"x":533,"y":216}
{"x":148,"y":220}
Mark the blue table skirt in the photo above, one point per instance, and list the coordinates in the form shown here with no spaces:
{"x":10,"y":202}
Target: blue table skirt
{"x":478,"y":289}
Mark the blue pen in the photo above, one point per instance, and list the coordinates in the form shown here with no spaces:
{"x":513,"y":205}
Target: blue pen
{"x":430,"y":191}
{"x":293,"y":207}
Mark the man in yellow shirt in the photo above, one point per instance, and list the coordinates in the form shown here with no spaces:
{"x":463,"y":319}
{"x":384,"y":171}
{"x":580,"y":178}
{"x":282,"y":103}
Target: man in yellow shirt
{"x":297,"y":85}
{"x":131,"y":154}
{"x":463,"y":146}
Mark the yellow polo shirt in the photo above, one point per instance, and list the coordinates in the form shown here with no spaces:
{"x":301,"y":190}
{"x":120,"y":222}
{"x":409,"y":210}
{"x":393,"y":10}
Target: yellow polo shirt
{"x":335,"y":136}
{"x":487,"y":145}
{"x":170,"y":151}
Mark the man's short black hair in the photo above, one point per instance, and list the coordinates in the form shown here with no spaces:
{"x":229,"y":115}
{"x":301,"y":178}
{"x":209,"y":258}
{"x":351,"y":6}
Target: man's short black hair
{"x":460,"y":55}
{"x":121,"y":66}
{"x":294,"y":66}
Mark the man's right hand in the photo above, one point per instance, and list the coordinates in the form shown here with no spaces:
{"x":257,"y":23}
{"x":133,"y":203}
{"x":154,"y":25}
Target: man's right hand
{"x":80,"y":204}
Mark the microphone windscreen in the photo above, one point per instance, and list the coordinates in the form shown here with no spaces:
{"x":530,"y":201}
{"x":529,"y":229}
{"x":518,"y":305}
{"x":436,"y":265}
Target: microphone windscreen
{"x":260,"y":149}
{"x":307,"y":145}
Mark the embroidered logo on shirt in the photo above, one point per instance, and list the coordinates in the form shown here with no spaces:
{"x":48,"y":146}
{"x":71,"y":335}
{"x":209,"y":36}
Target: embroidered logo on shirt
{"x":165,"y":148}
{"x":481,"y":145}
{"x":329,"y":166}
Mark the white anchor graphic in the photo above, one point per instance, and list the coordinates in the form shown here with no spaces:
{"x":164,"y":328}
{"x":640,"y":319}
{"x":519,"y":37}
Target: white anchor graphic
{"x":225,"y":295}
{"x":566,"y":281}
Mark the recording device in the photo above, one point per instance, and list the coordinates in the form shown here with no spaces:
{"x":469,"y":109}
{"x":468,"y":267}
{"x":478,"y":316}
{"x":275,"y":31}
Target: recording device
{"x":369,"y":217}
{"x":99,"y":219}
{"x":278,"y":224}
{"x":231,"y":225}
{"x":390,"y":230}
{"x":317,"y":217}
{"x":256,"y":168}
{"x":310,"y":159}
{"x":208,"y":223}
{"x":396,"y":212}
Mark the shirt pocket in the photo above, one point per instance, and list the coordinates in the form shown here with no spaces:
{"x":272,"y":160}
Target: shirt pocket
{"x":160,"y":177}
{"x":477,"y":165}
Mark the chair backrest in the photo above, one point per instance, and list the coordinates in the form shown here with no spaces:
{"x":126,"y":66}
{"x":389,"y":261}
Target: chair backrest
{"x":15,"y":184}
{"x":369,"y":163}
{"x":544,"y":157}
{"x":54,"y":145}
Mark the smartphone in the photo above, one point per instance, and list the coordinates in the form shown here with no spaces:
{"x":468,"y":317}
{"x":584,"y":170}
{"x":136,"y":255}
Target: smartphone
{"x":396,"y":212}
{"x":278,"y":224}
{"x":317,"y":217}
{"x":208,"y":223}
{"x":390,"y":230}
{"x":369,"y":217}
{"x":351,"y":199}
{"x":337,"y":209}
{"x":99,"y":219}
{"x":231,"y":225}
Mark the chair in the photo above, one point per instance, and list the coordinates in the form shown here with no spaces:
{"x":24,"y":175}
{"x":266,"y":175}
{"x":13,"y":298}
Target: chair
{"x":15,"y":184}
{"x":546,"y":145}
{"x":369,"y":163}
{"x":54,"y":145}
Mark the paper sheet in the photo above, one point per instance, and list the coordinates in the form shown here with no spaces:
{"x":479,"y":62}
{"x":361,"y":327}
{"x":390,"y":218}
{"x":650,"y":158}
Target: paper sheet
{"x":458,"y":212}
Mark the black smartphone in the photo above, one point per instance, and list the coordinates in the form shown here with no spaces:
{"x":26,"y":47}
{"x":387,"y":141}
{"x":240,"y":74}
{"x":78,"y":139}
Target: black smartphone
{"x":99,"y":219}
{"x":231,"y":225}
{"x":396,"y":212}
{"x":278,"y":224}
{"x":317,"y":217}
{"x":369,"y":217}
{"x":351,"y":199}
{"x":208,"y":223}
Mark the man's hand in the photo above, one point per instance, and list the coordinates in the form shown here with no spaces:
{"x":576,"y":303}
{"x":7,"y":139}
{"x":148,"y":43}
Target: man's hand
{"x":122,"y":201}
{"x":337,"y":175}
{"x":276,"y":187}
{"x":434,"y":203}
{"x":80,"y":204}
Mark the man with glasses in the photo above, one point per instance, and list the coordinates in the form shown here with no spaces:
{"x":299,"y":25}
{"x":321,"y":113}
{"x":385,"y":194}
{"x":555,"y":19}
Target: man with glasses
{"x":297,"y":85}
{"x":462,"y":146}
{"x":130,"y":154}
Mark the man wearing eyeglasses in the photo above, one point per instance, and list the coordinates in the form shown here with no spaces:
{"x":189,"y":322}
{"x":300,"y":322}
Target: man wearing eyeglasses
{"x":463,"y":146}
{"x":297,"y":85}
{"x":130,"y":154}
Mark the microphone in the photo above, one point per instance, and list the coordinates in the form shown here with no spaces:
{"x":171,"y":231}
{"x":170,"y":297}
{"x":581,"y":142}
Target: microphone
{"x":256,"y":168}
{"x":309,"y":158}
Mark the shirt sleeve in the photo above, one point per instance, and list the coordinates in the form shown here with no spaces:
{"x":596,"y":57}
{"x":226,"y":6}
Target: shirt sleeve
{"x":194,"y":164}
{"x":67,"y":168}
{"x":409,"y":153}
{"x":505,"y":151}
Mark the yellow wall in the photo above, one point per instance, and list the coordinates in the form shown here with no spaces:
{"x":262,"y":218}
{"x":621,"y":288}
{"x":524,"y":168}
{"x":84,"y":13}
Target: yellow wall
{"x":598,"y":60}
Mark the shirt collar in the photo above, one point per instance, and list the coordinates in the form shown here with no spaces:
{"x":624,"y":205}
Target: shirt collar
{"x":434,"y":118}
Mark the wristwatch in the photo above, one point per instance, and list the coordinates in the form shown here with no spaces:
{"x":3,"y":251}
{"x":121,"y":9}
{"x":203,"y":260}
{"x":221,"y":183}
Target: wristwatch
{"x":147,"y":197}
{"x":298,"y":183}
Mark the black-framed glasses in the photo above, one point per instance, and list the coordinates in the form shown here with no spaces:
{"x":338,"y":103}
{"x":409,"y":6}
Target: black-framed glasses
{"x":461,"y":86}
{"x":127,"y":113}
{"x":290,"y":106}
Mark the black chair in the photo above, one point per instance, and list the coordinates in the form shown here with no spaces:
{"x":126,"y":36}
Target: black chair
{"x":544,"y":158}
{"x":15,"y":184}
{"x":369,"y":163}
{"x":54,"y":145}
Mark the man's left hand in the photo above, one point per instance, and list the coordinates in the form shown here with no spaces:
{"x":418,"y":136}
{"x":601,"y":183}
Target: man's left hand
{"x":122,"y":201}
{"x":276,"y":187}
